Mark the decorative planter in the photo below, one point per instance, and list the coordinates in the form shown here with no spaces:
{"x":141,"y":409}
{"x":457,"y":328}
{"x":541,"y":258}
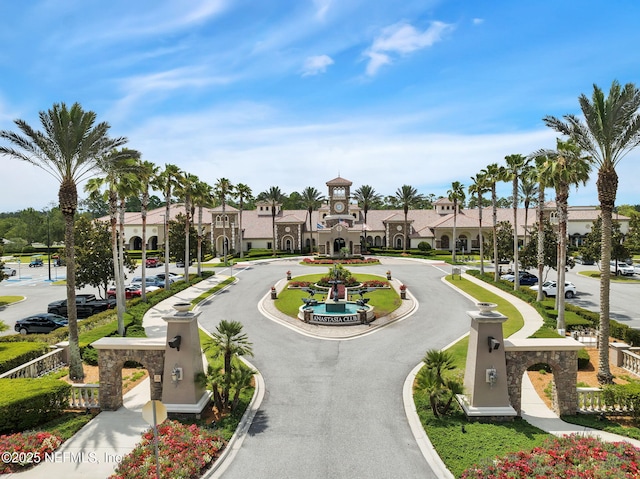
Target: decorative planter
{"x":288,"y":276}
{"x":274,"y":294}
{"x":486,"y":308}
{"x":182,"y":307}
{"x":389,"y":276}
{"x":403,"y":295}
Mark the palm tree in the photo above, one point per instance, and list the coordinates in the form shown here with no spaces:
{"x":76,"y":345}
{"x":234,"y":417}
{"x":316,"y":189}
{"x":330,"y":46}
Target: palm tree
{"x":202,"y":197}
{"x":407,"y":196}
{"x":535,"y":174}
{"x":275,"y":197}
{"x":243,"y":194}
{"x":68,"y":149}
{"x":311,"y":200}
{"x":166,"y":181}
{"x":455,"y":194}
{"x":147,"y":171}
{"x":528,"y":191}
{"x":564,"y":167}
{"x":492,"y":173}
{"x":230,"y":342}
{"x":222,"y":189}
{"x":479,"y":186}
{"x":610,"y":131}
{"x":512,"y":172}
{"x":118,"y":167}
{"x":367,"y":199}
{"x":185,"y":190}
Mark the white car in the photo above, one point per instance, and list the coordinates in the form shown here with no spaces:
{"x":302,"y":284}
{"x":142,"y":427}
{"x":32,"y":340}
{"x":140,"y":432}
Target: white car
{"x":550,"y":288}
{"x":8,"y":271}
{"x":173,"y":277}
{"x":623,"y":269}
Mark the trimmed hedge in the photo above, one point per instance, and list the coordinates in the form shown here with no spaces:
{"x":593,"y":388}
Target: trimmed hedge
{"x":623,"y":395}
{"x":16,"y":354}
{"x":27,"y":403}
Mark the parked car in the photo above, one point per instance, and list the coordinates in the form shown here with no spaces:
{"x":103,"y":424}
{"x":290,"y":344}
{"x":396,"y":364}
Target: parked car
{"x":8,"y":271}
{"x":583,"y":260}
{"x":130,"y":292}
{"x":173,"y":277}
{"x":40,"y":323}
{"x":550,"y":288}
{"x":153,"y":262}
{"x":148,"y":281}
{"x":86,"y":305}
{"x":526,"y":279}
{"x":621,"y":268}
{"x":180,"y":263}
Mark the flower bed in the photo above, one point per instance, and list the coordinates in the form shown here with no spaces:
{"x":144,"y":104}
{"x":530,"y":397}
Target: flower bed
{"x":299,"y":284}
{"x":23,"y":450}
{"x":312,"y":261}
{"x":569,"y":456}
{"x":184,"y":451}
{"x":375,"y":283}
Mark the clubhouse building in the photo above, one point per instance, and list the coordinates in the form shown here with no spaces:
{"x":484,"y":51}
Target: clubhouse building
{"x":339,"y":225}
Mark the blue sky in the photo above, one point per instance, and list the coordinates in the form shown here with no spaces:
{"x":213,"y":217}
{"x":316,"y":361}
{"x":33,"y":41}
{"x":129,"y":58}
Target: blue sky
{"x":293,"y":93}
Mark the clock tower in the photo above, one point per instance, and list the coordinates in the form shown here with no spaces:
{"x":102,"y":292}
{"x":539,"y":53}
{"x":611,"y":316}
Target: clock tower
{"x":339,"y":194}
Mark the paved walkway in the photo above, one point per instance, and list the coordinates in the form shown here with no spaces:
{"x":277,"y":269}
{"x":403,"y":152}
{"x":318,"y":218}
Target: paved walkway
{"x":96,"y":449}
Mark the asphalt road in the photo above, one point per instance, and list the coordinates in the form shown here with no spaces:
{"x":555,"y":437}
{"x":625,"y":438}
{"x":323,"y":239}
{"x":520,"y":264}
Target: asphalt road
{"x":334,"y":408}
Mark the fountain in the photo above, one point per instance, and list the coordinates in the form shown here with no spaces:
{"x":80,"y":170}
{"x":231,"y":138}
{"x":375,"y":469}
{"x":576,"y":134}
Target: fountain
{"x":336,"y":310}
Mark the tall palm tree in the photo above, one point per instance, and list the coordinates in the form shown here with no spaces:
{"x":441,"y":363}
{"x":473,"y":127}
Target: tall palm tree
{"x":367,"y":199}
{"x":479,"y":186}
{"x":68,"y":149}
{"x":166,"y":181}
{"x":275,"y":198}
{"x":512,"y":172}
{"x":147,"y":171}
{"x":202,"y":197}
{"x":222,"y":189}
{"x":611,"y":130}
{"x":243,"y":194}
{"x":492,"y":173}
{"x":564,"y":167}
{"x":535,"y":174}
{"x":118,"y":167}
{"x":230,"y":342}
{"x":407,"y":196}
{"x":185,"y":190}
{"x":455,"y":194}
{"x":528,"y":190}
{"x":311,"y":200}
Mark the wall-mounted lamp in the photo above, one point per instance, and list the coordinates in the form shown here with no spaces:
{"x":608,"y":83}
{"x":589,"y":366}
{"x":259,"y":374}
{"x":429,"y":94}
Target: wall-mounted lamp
{"x":175,"y":342}
{"x":494,"y":344}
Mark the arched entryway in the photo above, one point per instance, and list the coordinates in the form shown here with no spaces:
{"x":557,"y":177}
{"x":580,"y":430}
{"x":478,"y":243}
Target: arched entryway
{"x":113,"y":353}
{"x":338,"y":244}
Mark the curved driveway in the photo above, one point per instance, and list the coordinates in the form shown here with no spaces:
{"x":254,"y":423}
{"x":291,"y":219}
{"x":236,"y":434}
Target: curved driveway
{"x":333,"y":408}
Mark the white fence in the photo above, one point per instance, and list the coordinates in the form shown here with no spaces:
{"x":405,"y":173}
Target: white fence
{"x":84,"y":396}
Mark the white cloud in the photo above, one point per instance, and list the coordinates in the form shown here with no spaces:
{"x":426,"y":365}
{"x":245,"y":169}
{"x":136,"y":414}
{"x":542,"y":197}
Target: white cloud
{"x":402,"y":39}
{"x":478,"y":21}
{"x":322,"y":7}
{"x":316,"y":64}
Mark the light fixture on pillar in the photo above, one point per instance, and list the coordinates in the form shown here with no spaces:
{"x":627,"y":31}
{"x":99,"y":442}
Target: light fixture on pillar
{"x":494,"y":344}
{"x":175,"y":342}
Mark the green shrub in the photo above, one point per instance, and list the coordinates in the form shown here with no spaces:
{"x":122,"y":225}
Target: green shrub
{"x":424,"y":246}
{"x":16,"y":354}
{"x":583,"y":359}
{"x":26,"y":403}
{"x":623,"y":396}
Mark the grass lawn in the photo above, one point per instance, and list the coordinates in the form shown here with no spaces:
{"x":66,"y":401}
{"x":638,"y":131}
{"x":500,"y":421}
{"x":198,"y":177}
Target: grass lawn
{"x":619,"y":279}
{"x":5,"y":300}
{"x":384,"y":300}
